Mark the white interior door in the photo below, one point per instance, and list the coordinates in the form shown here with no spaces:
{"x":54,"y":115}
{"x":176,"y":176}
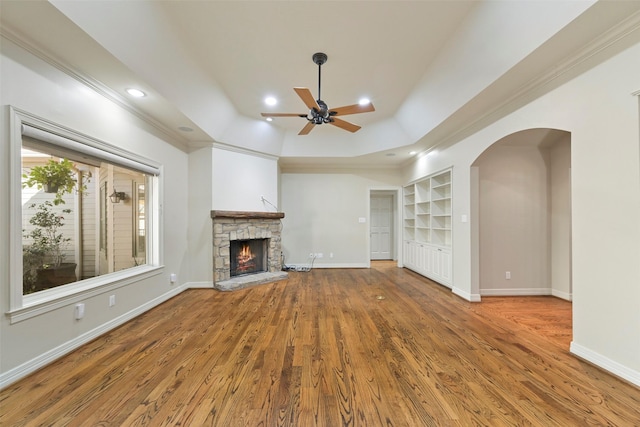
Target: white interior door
{"x":381,"y":227}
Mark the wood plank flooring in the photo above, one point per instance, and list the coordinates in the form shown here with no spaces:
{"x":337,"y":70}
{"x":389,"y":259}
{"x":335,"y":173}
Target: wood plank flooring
{"x":361,"y":347}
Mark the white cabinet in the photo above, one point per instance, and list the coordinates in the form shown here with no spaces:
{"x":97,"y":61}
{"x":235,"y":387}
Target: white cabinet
{"x":445,"y":265}
{"x":427,"y":227}
{"x":410,"y":254}
{"x":441,"y":265}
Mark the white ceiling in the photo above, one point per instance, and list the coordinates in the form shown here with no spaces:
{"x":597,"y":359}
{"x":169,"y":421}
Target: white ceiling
{"x":433,"y":69}
{"x":258,"y":48}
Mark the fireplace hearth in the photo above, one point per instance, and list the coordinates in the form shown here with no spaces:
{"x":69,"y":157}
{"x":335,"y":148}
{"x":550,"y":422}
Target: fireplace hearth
{"x":246,"y":249}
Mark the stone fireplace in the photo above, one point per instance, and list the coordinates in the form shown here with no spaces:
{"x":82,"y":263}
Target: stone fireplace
{"x":246,"y":248}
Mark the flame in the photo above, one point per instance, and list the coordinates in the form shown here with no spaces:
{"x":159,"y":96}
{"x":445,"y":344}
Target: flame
{"x":245,"y":259}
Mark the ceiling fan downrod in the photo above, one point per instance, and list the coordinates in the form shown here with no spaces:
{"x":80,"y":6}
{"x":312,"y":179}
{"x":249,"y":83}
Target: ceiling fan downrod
{"x":321,"y":116}
{"x":319,"y":58}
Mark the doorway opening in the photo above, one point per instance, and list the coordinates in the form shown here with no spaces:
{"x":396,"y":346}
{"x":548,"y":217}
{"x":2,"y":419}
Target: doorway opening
{"x":521,"y":216}
{"x":382,"y":225}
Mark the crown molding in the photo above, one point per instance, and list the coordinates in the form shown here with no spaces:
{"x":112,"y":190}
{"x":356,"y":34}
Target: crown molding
{"x":173,"y":137}
{"x":545,"y":82}
{"x":241,"y":150}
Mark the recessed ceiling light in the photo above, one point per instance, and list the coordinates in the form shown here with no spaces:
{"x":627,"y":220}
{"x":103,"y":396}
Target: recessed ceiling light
{"x":270,"y":100}
{"x":412,"y":152}
{"x":364,"y":101}
{"x":136,"y":93}
{"x":269,"y":119}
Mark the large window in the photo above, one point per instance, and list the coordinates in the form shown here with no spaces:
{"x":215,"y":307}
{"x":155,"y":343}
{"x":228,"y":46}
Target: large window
{"x":92,"y":227}
{"x":87,"y":211}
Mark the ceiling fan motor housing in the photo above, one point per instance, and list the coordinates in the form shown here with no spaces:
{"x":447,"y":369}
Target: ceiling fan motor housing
{"x":320,"y":116}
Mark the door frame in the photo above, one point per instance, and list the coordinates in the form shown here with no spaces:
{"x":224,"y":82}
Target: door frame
{"x":396,"y":192}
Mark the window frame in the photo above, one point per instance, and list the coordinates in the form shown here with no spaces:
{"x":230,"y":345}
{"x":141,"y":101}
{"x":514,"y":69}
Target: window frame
{"x":22,"y":307}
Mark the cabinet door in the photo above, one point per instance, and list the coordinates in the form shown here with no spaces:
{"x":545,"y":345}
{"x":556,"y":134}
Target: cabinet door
{"x":436,"y":260}
{"x":444,"y":262}
{"x":446,"y":267}
{"x":428,"y":260}
{"x":420,"y":252}
{"x":409,"y":255}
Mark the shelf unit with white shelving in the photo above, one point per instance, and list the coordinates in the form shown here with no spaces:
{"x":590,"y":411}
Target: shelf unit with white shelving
{"x":409,"y":212}
{"x":428,"y":226}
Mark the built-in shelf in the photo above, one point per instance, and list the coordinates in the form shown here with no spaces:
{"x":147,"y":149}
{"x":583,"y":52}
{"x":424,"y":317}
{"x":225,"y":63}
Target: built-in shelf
{"x":428,"y":227}
{"x":427,"y":206}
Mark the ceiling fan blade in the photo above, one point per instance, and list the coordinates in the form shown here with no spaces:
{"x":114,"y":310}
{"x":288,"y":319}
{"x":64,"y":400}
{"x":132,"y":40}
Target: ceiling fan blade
{"x":342,"y":124}
{"x":307,"y":128}
{"x":352,"y":109}
{"x":283,"y":114}
{"x":307,"y":97}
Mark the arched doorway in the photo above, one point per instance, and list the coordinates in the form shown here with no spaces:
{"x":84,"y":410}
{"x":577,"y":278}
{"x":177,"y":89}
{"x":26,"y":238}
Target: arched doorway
{"x":522,"y":215}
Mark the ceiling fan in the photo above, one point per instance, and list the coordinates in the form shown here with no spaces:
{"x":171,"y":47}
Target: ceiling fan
{"x":319,"y":112}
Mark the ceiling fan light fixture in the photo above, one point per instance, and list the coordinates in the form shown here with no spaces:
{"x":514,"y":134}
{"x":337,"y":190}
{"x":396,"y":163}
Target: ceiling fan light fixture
{"x":319,"y":113}
{"x":364,"y":101}
{"x":269,"y":119}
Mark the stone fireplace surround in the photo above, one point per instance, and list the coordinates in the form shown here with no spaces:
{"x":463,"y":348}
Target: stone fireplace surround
{"x":240,"y":225}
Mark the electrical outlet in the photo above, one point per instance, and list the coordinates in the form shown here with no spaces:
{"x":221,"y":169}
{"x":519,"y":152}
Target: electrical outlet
{"x":330,"y":254}
{"x":173,"y":277}
{"x":320,"y":255}
{"x":112,"y":300}
{"x":507,"y":275}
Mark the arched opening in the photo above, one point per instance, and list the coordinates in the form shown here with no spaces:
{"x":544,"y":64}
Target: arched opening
{"x":521,"y":216}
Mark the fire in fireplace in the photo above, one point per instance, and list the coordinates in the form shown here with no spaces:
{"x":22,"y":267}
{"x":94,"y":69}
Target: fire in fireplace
{"x":248,"y":256}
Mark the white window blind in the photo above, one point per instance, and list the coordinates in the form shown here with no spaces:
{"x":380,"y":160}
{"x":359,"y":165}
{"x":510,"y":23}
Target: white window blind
{"x":87,"y":153}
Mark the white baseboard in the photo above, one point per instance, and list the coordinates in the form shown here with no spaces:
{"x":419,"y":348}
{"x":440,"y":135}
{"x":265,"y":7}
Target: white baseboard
{"x":563,"y":295}
{"x":198,"y":285}
{"x":44,"y":359}
{"x":605,"y":363}
{"x":323,"y":265}
{"x":515,"y":292}
{"x":466,"y":295}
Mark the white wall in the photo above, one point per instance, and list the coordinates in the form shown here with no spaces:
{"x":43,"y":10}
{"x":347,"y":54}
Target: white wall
{"x":200,"y":223}
{"x":242,"y":178}
{"x":600,"y":112}
{"x":33,"y":85}
{"x":322,"y":211}
{"x":560,"y":194}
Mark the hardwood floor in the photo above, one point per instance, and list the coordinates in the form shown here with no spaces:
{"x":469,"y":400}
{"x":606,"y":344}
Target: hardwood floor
{"x":329,"y":347}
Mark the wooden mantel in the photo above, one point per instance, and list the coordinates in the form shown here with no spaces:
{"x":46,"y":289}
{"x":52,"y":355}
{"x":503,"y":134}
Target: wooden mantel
{"x":247,"y":215}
